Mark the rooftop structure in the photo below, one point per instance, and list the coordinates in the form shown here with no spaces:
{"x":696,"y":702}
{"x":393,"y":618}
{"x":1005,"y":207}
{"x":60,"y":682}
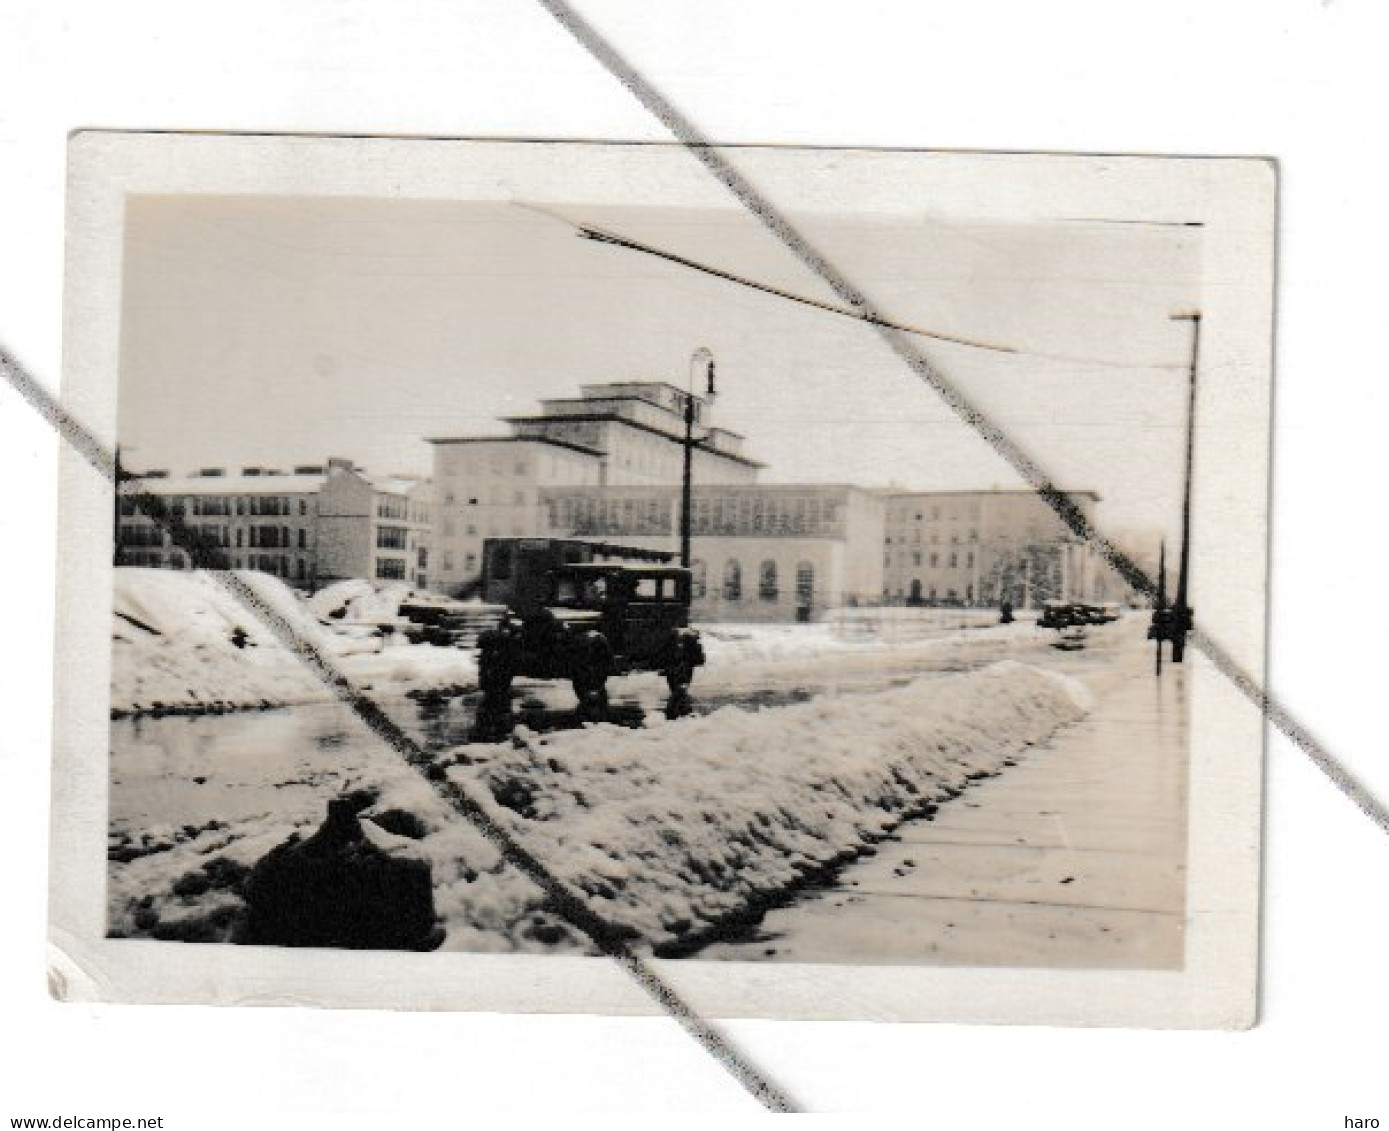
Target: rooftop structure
{"x":618,"y":434}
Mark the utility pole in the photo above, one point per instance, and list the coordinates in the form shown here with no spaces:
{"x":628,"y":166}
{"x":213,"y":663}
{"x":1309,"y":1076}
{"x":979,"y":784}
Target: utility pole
{"x":1182,"y":618}
{"x":1175,"y":623}
{"x":700,"y":358}
{"x":1160,"y":630}
{"x":117,"y":478}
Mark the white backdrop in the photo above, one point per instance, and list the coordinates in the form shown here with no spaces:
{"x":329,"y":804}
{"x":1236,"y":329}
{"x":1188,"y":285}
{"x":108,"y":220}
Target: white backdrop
{"x":1299,"y":80}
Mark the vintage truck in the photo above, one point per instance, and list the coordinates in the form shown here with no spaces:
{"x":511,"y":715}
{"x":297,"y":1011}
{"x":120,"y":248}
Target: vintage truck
{"x":583,"y":612}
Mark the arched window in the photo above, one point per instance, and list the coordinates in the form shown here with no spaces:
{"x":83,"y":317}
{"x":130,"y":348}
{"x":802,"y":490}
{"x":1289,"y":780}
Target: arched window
{"x":732,"y":580}
{"x":766,"y":581}
{"x":805,"y":583}
{"x":699,"y":578}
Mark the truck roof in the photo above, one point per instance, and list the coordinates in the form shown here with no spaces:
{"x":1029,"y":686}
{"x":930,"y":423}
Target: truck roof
{"x":621,"y":567}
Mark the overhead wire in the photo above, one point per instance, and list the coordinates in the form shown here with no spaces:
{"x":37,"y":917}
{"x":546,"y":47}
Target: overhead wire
{"x":604,"y":236}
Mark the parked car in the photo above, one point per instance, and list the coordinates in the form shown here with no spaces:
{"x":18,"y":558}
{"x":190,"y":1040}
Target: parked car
{"x":1059,"y":614}
{"x":1063,"y":614}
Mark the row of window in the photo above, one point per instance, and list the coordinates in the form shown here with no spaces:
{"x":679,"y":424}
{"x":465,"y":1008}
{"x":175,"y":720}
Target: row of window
{"x":280,"y":565}
{"x":933,"y":539}
{"x":483,"y":498}
{"x":395,"y":567}
{"x":799,"y":514}
{"x":950,"y":513}
{"x":257,"y":537}
{"x":255,"y":505}
{"x":935,"y":561}
{"x":272,"y":537}
{"x":588,"y":517}
{"x":915,"y":595}
{"x":469,"y":563}
{"x":768,"y":588}
{"x":449,"y":529}
{"x":725,"y":515}
{"x":394,"y":506}
{"x":140,"y":536}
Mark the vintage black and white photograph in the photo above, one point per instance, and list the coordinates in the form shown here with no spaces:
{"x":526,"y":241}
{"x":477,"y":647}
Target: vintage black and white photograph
{"x":803,"y":590}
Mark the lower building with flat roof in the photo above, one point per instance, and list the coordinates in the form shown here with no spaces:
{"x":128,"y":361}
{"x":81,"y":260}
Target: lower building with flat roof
{"x":982,"y":547}
{"x":310,"y":526}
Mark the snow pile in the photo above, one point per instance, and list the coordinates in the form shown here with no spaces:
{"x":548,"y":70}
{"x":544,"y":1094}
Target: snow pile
{"x":184,"y":640}
{"x":807,"y":655}
{"x":361,"y":601}
{"x":735,"y":643}
{"x":401,"y":666}
{"x":676,"y":829}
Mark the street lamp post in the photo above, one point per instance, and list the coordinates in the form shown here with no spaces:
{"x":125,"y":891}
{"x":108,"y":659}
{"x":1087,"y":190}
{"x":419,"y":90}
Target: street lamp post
{"x":701,"y":358}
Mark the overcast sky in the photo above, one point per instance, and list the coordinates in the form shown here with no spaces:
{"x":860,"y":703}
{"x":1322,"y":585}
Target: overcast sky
{"x":282,"y":331}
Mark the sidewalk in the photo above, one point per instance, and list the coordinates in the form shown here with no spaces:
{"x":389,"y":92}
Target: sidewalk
{"x":1075,"y":857}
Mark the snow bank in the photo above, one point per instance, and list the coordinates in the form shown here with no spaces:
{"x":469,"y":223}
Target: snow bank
{"x":183,"y":640}
{"x":682,"y":827}
{"x":738,"y":643}
{"x":672,"y":831}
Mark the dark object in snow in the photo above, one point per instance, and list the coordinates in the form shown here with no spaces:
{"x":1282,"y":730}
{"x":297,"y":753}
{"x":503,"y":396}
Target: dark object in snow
{"x":401,"y":822}
{"x":1005,"y":611}
{"x":338,"y":889}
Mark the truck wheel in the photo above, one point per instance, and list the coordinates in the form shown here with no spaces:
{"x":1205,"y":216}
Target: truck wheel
{"x":591,"y":664}
{"x":593,"y":697}
{"x":678,"y":677}
{"x":494,"y":674}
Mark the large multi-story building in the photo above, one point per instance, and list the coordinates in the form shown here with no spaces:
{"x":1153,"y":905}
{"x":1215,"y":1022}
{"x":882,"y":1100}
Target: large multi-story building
{"x":309,"y":526}
{"x":981,"y":547}
{"x":615,"y":434}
